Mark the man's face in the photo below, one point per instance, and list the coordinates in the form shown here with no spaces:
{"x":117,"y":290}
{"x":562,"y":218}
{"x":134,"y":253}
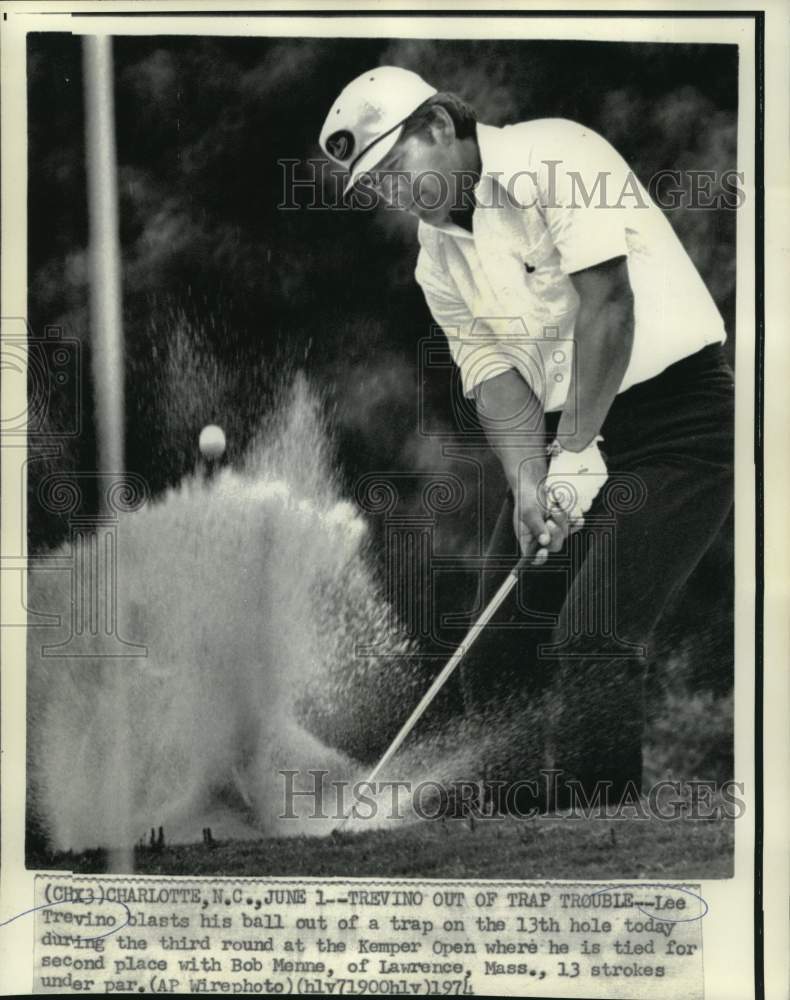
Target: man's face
{"x":423,"y":174}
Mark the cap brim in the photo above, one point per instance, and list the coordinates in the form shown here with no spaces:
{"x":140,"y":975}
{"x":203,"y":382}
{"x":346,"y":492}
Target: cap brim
{"x":374,"y":155}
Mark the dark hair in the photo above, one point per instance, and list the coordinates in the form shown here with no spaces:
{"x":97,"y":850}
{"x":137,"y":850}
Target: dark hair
{"x":462,"y":114}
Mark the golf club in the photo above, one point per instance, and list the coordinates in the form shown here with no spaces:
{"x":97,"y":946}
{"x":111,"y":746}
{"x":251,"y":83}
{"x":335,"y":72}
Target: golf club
{"x":488,"y":612}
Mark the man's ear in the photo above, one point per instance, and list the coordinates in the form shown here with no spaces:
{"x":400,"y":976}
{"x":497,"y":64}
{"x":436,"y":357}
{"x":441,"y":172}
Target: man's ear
{"x":441,"y":126}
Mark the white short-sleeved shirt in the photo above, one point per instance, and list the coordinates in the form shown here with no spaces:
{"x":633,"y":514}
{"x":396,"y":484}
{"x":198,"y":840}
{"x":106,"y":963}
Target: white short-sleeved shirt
{"x":554,"y":198}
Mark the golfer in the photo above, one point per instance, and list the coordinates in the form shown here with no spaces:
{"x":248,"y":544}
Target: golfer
{"x":593,"y":352}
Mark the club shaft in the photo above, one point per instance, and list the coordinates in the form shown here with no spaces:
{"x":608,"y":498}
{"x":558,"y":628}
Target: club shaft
{"x":442,"y":678}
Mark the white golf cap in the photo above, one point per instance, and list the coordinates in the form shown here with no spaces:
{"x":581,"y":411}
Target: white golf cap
{"x":366,"y":120}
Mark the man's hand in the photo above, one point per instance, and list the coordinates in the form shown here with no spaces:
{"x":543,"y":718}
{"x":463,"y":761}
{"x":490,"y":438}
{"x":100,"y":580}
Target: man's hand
{"x":574,"y":480}
{"x":540,"y":525}
{"x":548,"y":506}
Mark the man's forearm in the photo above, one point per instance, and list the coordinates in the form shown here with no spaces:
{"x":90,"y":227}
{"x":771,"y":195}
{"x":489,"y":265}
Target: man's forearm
{"x":512,"y":418}
{"x":603,"y":339}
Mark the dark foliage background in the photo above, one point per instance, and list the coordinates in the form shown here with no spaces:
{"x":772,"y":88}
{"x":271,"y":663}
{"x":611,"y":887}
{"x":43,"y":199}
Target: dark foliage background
{"x":217,"y":278}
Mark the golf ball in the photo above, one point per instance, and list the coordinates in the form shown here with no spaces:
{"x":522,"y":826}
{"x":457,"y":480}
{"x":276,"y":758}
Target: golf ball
{"x":212,"y":441}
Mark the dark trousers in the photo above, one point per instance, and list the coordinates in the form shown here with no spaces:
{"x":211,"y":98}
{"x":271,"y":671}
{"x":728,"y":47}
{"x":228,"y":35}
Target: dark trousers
{"x":563,"y":664}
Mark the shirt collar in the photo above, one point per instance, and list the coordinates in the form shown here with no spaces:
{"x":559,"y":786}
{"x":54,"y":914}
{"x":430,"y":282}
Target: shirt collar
{"x":487,"y":136}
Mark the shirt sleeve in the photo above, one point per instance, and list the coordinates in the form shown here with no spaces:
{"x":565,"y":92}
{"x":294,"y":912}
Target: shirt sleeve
{"x":472,"y":342}
{"x":586,"y":191}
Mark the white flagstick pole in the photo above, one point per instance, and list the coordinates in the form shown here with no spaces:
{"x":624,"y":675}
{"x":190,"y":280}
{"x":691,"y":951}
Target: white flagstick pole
{"x":108,"y":374}
{"x":486,"y":616}
{"x":105,"y":262}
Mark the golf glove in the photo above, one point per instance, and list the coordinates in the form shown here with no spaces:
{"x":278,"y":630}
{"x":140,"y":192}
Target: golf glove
{"x":574,"y":479}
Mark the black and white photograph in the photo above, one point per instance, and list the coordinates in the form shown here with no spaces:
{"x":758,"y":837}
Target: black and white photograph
{"x":364,"y":341}
{"x":381,"y":455}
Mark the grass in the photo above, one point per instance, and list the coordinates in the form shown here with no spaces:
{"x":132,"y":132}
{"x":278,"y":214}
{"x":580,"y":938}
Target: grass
{"x":547,"y":847}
